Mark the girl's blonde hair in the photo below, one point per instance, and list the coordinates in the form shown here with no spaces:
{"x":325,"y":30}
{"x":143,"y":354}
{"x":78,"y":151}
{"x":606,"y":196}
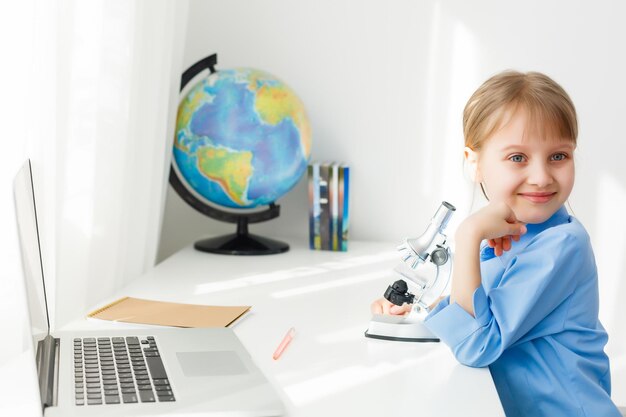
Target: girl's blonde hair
{"x":550,"y":110}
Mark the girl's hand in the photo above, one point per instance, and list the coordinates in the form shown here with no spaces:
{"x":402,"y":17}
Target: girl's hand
{"x":496,"y":223}
{"x":382,"y":306}
{"x":502,"y":244}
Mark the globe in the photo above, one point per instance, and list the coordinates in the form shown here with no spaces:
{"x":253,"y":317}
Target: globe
{"x":242,"y":138}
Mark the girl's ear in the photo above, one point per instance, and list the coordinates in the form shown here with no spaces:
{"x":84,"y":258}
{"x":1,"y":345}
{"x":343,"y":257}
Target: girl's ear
{"x":471,"y":159}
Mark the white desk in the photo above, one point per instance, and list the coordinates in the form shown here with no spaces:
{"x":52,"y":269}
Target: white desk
{"x":329,"y":368}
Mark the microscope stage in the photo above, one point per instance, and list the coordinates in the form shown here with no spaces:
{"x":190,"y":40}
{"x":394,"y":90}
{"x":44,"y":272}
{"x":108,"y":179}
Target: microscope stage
{"x":409,"y":328}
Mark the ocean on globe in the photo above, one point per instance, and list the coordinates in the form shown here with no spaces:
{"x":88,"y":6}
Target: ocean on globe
{"x":242,"y":138}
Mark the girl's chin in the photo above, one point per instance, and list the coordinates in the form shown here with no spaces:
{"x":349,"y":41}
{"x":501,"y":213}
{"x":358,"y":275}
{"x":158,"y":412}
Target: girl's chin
{"x":533,"y":216}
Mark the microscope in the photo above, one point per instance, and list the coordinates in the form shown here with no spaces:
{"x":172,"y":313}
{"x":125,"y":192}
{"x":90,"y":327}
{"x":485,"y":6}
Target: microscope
{"x":425,"y":270}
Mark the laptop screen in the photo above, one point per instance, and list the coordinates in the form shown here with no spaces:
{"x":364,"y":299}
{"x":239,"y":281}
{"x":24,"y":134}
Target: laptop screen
{"x":27,"y":227}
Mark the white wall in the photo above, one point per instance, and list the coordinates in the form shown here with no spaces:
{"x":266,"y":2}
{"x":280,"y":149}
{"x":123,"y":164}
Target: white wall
{"x":362,"y":71}
{"x":385,"y":83}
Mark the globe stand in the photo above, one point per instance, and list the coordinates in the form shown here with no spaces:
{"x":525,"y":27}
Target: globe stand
{"x":241,"y":243}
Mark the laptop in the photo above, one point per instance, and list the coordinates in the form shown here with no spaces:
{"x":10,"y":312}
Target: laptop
{"x":147,"y":371}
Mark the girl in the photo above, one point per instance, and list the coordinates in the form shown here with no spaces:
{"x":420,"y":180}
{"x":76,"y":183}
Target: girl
{"x":525,"y":301}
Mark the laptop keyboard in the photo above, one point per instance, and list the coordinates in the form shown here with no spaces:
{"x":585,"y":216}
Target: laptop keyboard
{"x":114,"y":370}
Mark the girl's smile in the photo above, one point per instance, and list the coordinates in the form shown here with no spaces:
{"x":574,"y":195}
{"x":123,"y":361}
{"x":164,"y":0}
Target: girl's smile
{"x":538,"y":198}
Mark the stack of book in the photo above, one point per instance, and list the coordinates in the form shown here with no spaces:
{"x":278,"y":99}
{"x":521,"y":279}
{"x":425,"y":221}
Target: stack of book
{"x":328,"y":206}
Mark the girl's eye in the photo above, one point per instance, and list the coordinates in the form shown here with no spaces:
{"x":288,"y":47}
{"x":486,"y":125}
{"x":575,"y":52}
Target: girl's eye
{"x":559,"y":157}
{"x":516,"y":158}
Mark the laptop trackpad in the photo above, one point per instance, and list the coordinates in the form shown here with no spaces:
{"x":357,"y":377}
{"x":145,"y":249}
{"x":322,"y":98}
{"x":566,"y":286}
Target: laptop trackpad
{"x":221,"y":362}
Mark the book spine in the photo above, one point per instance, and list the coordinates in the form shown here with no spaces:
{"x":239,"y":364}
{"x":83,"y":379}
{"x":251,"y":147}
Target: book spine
{"x":311,"y":195}
{"x":334,"y":207}
{"x":324,"y":207}
{"x":314,"y":208}
{"x":340,"y":204}
{"x":345,"y":208}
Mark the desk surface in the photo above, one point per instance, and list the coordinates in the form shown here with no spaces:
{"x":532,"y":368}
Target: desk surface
{"x":330,"y":367}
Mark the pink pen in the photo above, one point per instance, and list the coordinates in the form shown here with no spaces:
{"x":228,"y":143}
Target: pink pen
{"x":284,"y":343}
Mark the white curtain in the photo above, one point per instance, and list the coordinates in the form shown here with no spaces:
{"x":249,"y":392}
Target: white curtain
{"x":106,"y":76}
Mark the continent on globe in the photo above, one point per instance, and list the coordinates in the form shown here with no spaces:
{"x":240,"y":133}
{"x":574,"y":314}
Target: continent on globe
{"x":242,"y":138}
{"x":231,"y":169}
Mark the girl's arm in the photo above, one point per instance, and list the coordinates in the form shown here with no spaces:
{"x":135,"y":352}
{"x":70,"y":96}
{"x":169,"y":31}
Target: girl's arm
{"x":533,"y":285}
{"x":466,"y":271}
{"x":495,"y":222}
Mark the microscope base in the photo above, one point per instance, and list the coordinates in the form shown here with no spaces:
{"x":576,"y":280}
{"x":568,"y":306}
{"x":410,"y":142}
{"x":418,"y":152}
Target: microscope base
{"x":399,"y":328}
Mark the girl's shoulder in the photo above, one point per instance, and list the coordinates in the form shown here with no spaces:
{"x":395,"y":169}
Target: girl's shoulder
{"x":564,"y":243}
{"x":571,"y":232}
{"x":552,"y":241}
{"x":560,"y":250}
{"x":561,"y":227}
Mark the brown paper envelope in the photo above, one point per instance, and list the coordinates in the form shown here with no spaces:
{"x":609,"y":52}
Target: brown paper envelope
{"x":137,"y":310}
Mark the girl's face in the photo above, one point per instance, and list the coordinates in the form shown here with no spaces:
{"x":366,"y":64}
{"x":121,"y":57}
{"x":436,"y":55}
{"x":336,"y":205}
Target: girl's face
{"x":532,"y":175}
